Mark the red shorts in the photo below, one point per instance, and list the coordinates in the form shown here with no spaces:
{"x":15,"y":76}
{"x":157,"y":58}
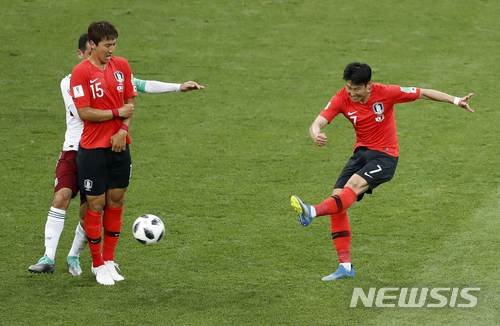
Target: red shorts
{"x":66,"y":172}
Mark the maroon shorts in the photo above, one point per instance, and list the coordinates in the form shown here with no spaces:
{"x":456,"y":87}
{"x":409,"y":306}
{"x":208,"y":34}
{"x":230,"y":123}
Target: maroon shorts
{"x":66,"y":172}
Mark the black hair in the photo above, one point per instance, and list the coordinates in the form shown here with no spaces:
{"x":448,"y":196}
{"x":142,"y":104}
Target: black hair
{"x":102,"y":30}
{"x":358,"y":73}
{"x":82,"y":42}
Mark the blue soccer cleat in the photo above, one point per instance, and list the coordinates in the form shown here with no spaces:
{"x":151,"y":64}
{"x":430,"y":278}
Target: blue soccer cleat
{"x":303,"y":210}
{"x":339,"y":273}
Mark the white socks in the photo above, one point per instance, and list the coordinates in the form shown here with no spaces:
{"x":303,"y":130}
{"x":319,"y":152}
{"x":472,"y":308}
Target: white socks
{"x":347,"y":266}
{"x":313,"y":212}
{"x":79,"y":242}
{"x":53,"y":230}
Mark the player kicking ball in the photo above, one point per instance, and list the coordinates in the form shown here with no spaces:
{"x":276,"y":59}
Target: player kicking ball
{"x":370,"y":108}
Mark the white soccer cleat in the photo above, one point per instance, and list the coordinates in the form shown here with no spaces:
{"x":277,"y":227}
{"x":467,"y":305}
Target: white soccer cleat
{"x":112,"y":266}
{"x":102,"y":275}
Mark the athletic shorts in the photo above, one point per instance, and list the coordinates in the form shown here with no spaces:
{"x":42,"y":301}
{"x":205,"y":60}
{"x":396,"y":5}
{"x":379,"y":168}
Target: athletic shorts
{"x":374,"y":166}
{"x":100,"y":169}
{"x":67,"y":173}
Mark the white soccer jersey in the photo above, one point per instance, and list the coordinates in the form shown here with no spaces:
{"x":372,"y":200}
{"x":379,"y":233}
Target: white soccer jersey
{"x":74,"y":125}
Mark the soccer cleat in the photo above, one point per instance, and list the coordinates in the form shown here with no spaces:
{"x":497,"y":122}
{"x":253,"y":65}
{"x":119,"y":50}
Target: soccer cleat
{"x":303,"y":210}
{"x":73,"y":263}
{"x":44,"y":265}
{"x":102,"y":275}
{"x":112,"y":266}
{"x":339,"y":273}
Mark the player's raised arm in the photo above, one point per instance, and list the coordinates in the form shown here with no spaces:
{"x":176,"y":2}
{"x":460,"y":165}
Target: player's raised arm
{"x":315,"y":131}
{"x":433,"y":95}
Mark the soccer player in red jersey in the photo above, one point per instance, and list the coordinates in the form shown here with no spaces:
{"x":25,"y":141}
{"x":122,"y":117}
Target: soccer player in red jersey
{"x":102,"y":83}
{"x":370,"y":108}
{"x":66,"y":182}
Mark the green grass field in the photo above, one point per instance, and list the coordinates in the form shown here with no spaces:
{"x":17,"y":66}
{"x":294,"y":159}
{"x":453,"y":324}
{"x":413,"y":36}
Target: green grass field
{"x":219,"y":165}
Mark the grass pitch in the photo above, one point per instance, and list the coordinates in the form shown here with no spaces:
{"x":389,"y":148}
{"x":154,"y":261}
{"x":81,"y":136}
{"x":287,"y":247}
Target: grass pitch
{"x":219,"y":165}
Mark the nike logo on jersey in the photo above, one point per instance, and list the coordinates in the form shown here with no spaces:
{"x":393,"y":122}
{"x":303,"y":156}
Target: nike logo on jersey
{"x":351,"y":113}
{"x":93,"y":81}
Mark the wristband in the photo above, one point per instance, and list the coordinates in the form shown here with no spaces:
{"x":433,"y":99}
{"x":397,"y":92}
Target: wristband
{"x":116,"y":113}
{"x":456,"y":101}
{"x":124,"y":127}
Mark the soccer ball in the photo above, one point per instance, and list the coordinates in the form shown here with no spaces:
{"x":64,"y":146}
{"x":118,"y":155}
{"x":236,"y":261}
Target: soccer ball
{"x":148,"y":229}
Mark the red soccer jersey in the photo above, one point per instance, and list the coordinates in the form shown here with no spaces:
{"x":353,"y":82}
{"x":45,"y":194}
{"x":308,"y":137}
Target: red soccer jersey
{"x":374,"y":121}
{"x":104,"y":90}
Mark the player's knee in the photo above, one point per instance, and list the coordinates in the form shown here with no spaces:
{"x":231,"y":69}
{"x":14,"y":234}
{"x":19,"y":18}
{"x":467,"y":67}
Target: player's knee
{"x":115,"y":202}
{"x":358,"y":184}
{"x":96,"y":203}
{"x":62,"y":198}
{"x":115,"y":197}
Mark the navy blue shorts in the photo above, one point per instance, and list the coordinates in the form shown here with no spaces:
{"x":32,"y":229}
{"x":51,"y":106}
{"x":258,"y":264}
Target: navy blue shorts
{"x":374,"y":166}
{"x":100,"y":169}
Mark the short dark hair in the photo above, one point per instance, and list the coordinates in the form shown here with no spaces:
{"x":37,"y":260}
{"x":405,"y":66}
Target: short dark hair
{"x":82,"y":42}
{"x":358,"y":73}
{"x":102,"y":30}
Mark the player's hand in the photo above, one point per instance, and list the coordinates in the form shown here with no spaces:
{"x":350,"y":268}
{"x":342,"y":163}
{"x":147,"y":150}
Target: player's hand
{"x":119,"y":141}
{"x":190,"y":85}
{"x":126,"y":111}
{"x":463,"y":102}
{"x":321,"y":139}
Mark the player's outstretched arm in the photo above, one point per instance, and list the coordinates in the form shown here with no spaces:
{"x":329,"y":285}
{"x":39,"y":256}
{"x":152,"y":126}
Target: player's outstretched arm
{"x":315,"y":131}
{"x":158,"y":87}
{"x":433,"y":95}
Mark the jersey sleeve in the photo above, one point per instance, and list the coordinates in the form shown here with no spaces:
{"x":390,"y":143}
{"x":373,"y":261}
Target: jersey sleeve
{"x":140,"y":84}
{"x":332,"y":109}
{"x":403,"y":94}
{"x":79,"y":87}
{"x":68,"y":100}
{"x":130,"y":87}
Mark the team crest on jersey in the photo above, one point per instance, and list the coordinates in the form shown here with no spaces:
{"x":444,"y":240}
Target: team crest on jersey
{"x":378,"y":108}
{"x":119,"y":76}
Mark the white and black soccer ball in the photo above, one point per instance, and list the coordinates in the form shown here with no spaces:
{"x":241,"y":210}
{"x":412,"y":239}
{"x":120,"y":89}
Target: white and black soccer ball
{"x":148,"y":229}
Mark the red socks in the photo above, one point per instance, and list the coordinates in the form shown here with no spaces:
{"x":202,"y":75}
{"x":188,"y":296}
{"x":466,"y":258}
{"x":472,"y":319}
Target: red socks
{"x":336,"y":207}
{"x":337,"y":203}
{"x":112,"y":220}
{"x":93,"y":228}
{"x":341,"y":235}
{"x":112,"y":226}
